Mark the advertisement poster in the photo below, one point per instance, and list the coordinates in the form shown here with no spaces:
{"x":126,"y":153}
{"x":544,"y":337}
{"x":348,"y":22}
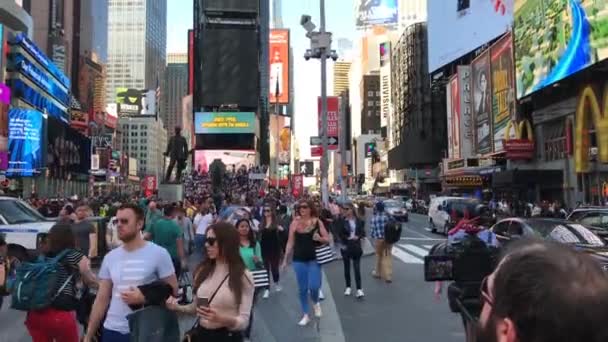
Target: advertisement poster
{"x":467,"y":140}
{"x":377,"y":12}
{"x":279,"y":66}
{"x":297,"y":186}
{"x":385,"y":83}
{"x":230,"y":158}
{"x":448,"y":101}
{"x":190,"y":61}
{"x":456,"y":116}
{"x":502,"y":88}
{"x":224,"y":122}
{"x":67,"y":151}
{"x":482,"y":103}
{"x":5,"y":100}
{"x":26,"y":138}
{"x":285,"y":145}
{"x":482,"y":20}
{"x":136,"y":101}
{"x":333,"y":116}
{"x":149,"y":185}
{"x":581,"y":40}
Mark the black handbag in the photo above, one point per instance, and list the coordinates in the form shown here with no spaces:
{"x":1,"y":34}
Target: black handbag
{"x":353,"y":248}
{"x":198,"y":333}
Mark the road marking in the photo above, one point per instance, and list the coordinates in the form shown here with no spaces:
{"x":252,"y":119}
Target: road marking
{"x":415,"y":232}
{"x":415,"y":249}
{"x":428,"y":246}
{"x":406,"y":257}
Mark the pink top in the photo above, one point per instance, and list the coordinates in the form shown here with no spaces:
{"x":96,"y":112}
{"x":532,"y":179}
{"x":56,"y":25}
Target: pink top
{"x":224,"y":301}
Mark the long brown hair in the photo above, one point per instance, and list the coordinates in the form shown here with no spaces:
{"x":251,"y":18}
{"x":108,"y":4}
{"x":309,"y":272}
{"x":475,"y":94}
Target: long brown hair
{"x":61,"y":237}
{"x":314,"y":213}
{"x":228,"y":243}
{"x":273,"y":217}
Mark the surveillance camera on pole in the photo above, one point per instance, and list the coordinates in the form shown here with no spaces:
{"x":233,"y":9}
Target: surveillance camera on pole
{"x":320,"y":48}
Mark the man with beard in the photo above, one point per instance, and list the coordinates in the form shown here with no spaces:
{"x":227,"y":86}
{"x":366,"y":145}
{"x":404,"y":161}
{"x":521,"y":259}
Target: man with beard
{"x":137,"y":262}
{"x":544,"y":292}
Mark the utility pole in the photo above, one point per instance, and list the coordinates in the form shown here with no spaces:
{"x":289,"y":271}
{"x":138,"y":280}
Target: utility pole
{"x":343,"y":139}
{"x":324,"y":159}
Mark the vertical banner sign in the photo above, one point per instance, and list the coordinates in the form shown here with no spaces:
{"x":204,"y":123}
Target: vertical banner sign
{"x":333,"y":106}
{"x":455,"y":102}
{"x":466,"y":118}
{"x":285,"y":145}
{"x":385,"y":83}
{"x":297,"y":185}
{"x":279,"y":66}
{"x":482,"y":103}
{"x":190,"y":61}
{"x":502,"y":86}
{"x":149,"y":185}
{"x":448,"y":101}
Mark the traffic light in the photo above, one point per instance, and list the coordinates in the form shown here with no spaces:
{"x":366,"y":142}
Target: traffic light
{"x":370,"y":148}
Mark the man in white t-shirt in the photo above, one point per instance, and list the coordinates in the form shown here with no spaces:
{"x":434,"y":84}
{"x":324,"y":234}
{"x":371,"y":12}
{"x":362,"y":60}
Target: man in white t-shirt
{"x":202,"y":220}
{"x":137,"y":262}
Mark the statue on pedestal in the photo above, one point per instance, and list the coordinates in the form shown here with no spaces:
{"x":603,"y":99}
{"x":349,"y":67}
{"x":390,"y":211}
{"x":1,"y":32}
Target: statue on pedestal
{"x":177,"y":151}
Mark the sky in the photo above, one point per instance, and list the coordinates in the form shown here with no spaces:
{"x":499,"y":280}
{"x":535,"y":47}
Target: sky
{"x":340,"y":20}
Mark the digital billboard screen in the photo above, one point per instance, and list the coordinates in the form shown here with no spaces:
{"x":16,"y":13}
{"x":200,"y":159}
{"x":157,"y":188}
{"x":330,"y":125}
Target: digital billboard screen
{"x":224,"y":122}
{"x":555,"y":38}
{"x":136,"y":101}
{"x":27,"y":131}
{"x":501,"y":63}
{"x":279,"y":66}
{"x":68,"y":151}
{"x":376,"y":12}
{"x":481,"y":20}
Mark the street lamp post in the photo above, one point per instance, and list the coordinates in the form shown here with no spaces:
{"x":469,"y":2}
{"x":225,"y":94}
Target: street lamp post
{"x":320,"y":43}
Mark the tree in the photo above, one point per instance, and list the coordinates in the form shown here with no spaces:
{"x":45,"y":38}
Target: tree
{"x":217,"y":171}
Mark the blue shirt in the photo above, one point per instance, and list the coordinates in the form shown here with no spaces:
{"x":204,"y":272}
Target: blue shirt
{"x":378,"y":223}
{"x":484,"y":235}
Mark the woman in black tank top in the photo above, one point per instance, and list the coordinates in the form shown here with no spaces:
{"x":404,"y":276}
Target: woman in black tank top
{"x":305,"y":234}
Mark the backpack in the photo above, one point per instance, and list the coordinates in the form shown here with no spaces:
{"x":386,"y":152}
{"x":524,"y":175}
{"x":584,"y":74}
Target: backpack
{"x":392,"y":231}
{"x":36,"y":284}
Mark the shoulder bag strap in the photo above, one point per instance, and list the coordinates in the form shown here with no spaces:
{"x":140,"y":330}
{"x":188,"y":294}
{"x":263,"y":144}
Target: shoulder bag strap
{"x":218,"y":288}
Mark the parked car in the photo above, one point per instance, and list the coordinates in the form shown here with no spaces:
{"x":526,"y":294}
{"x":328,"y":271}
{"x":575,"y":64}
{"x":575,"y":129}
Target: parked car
{"x":396,"y":209}
{"x":22,"y":225}
{"x":575,"y":234}
{"x":596,"y":218}
{"x":444,"y":212}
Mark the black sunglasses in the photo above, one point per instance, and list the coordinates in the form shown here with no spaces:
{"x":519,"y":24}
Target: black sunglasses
{"x":210,"y":241}
{"x":304,"y":207}
{"x":267,"y":210}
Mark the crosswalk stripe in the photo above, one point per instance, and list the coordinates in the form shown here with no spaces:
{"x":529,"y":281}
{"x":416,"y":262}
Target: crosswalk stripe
{"x":428,"y":246}
{"x":421,"y":252}
{"x":406,"y":257}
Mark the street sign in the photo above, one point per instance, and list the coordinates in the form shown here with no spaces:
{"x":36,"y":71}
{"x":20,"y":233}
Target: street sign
{"x":103,"y":141}
{"x":333,"y":105}
{"x":332,"y":142}
{"x":316,"y":151}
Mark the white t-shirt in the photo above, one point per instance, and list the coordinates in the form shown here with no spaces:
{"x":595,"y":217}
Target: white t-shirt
{"x":201,"y":222}
{"x":131,"y":269}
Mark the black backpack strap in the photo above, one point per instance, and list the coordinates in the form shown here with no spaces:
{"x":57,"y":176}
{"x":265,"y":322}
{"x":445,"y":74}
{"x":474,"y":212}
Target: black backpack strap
{"x":218,"y":288}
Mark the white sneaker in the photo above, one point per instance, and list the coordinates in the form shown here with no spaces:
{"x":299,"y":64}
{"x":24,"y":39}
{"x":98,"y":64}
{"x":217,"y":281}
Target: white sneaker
{"x":266,"y":294}
{"x":321,"y":295}
{"x":304,"y":321}
{"x":316,"y":308}
{"x":360,"y":294}
{"x":278,"y":288}
{"x":348,"y":291}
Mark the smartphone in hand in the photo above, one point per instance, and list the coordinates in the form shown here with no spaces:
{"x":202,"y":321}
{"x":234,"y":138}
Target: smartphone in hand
{"x":202,"y":302}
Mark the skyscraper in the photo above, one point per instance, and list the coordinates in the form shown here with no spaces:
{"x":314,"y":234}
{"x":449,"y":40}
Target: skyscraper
{"x":137,"y":44}
{"x":411,"y":12}
{"x":341,"y":70}
{"x":277,"y":14}
{"x":176,"y":82}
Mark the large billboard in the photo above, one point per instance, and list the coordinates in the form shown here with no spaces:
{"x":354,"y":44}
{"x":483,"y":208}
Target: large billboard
{"x":376,"y":12}
{"x":556,"y":38}
{"x":190,"y":61}
{"x":67,"y":151}
{"x":27,"y":131}
{"x":285,"y":145}
{"x":467,"y":140}
{"x":238,"y":158}
{"x":5,"y":100}
{"x":279,"y":66}
{"x":136,"y":101}
{"x":482,"y":103}
{"x":333,"y":116}
{"x":475,"y":23}
{"x":385,"y":83}
{"x":224,"y":122}
{"x":502,"y":88}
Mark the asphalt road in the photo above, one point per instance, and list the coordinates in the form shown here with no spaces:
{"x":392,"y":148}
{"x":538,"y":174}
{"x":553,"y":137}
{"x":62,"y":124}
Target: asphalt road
{"x":404,"y":310}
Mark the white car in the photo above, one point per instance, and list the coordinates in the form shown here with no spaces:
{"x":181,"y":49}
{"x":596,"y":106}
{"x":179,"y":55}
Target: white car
{"x":442,"y":208}
{"x":21,"y":224}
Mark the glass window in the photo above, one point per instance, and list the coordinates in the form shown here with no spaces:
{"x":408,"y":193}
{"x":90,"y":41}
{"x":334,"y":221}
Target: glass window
{"x":133,"y":126}
{"x":370,"y":93}
{"x":143,"y":126}
{"x":370,"y":103}
{"x":378,"y":93}
{"x":369,"y":113}
{"x":15,"y":212}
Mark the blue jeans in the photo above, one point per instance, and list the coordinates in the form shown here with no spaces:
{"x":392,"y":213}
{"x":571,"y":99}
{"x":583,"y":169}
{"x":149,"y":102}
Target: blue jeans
{"x":308,"y":275}
{"x":114,"y":336}
{"x":199,"y":244}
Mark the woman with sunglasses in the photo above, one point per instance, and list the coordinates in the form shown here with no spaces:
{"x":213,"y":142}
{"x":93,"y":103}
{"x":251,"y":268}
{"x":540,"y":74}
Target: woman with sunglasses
{"x":252,"y":256}
{"x":224,"y":289}
{"x":351,"y":229}
{"x":305,"y":234}
{"x":271,"y":237}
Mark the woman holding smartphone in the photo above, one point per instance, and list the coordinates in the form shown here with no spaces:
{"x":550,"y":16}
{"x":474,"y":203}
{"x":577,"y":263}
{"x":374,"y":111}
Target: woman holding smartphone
{"x":305,"y":234}
{"x":224,"y":289}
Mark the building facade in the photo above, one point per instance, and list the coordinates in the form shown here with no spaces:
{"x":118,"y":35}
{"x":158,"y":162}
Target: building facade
{"x":411,"y":12}
{"x":370,"y":104}
{"x":137,"y":44}
{"x":341,"y":69}
{"x":176,"y":84}
{"x":145,"y":138}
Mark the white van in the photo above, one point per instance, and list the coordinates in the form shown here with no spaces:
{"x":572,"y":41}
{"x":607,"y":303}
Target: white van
{"x":441,"y":208}
{"x":21,"y":224}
